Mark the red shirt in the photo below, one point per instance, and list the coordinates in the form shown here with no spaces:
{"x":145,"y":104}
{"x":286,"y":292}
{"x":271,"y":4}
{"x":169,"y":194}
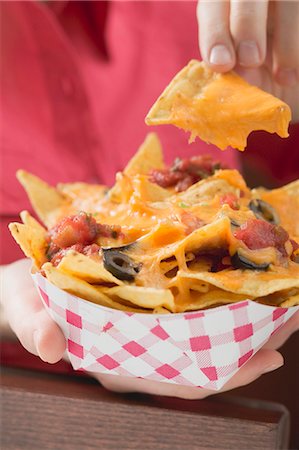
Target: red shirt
{"x":77,"y":81}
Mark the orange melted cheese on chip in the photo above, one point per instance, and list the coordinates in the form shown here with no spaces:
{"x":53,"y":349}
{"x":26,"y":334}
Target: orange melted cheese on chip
{"x":284,"y":200}
{"x":221,"y":109}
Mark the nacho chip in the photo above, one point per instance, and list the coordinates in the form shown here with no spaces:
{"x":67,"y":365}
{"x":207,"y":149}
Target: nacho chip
{"x":149,"y":156}
{"x":280,"y":297}
{"x":85,"y":268}
{"x":146,"y":191}
{"x":46,"y":200}
{"x":205,"y":190}
{"x":221,"y":109}
{"x":82,"y":196}
{"x":292,"y":301}
{"x":144,"y":297}
{"x":81,"y":190}
{"x":284,"y":200}
{"x":160,"y":310}
{"x":31,"y":237}
{"x":169,"y":264}
{"x":250,"y":282}
{"x":80,"y":288}
{"x":214,"y":297}
{"x":211,"y":236}
{"x":122,"y":191}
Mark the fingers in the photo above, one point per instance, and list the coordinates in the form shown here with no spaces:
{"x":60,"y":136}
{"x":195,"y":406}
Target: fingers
{"x":235,"y":33}
{"x":37,"y":332}
{"x":286,"y":42}
{"x":262,"y":362}
{"x":215,"y":41}
{"x":248,"y":24}
{"x":283,"y":334}
{"x":126,"y":384}
{"x":232,"y":33}
{"x":291,"y":96}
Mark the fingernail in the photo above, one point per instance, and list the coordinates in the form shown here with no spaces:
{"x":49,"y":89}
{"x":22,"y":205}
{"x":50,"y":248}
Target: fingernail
{"x":248,"y":54}
{"x":273,"y":367}
{"x":287,"y":77}
{"x":220,"y":55}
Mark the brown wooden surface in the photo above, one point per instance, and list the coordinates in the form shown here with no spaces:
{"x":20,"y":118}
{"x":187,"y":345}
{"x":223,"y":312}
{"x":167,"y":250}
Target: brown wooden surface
{"x":42,"y":411}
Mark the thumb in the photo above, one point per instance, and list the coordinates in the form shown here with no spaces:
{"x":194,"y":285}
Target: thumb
{"x":264,"y":361}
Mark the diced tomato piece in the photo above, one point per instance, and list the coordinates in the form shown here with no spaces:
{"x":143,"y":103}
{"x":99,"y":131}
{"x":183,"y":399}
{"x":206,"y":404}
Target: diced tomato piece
{"x":165,"y":178}
{"x":231,"y":200}
{"x":257,"y":234}
{"x":78,"y":233}
{"x":202,"y":165}
{"x":79,"y":229}
{"x":185,"y":172}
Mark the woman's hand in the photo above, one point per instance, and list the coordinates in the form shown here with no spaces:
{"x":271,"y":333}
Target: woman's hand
{"x":258,"y":39}
{"x":26,"y":316}
{"x":40,"y":335}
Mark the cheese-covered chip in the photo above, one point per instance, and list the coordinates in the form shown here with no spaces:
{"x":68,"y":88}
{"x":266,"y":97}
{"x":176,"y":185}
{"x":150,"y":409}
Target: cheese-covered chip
{"x":221,"y":109}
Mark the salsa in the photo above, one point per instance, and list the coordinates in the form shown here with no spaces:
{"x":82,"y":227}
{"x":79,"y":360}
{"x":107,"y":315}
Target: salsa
{"x":256,"y":234}
{"x":185,"y":172}
{"x":80,"y":233}
{"x":78,"y":229}
{"x":88,"y":250}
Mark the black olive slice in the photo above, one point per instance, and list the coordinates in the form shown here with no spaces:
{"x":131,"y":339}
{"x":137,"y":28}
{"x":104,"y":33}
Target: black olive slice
{"x":241,"y":262}
{"x":263,"y":210}
{"x":120,"y":264}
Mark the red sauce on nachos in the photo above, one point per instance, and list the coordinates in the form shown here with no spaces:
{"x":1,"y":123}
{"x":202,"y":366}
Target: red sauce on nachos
{"x":258,"y":234}
{"x":185,"y":172}
{"x":80,"y":233}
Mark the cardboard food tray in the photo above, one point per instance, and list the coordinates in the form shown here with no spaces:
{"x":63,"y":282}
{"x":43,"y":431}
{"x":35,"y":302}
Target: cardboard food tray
{"x":202,"y":348}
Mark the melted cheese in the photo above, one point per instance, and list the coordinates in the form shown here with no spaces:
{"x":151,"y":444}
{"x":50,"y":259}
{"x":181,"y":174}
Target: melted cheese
{"x":285,"y":200}
{"x":222,"y":109}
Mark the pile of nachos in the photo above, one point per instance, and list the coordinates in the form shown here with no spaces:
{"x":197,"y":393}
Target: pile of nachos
{"x":165,"y":239}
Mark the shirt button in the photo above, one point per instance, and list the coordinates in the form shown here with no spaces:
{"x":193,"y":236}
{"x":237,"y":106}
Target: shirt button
{"x":67,"y":86}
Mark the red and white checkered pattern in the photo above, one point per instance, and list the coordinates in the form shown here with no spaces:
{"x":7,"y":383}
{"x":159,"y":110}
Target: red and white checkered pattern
{"x":204,"y":348}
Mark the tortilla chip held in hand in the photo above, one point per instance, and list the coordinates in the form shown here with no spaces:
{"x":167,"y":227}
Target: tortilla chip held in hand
{"x":221,"y":109}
